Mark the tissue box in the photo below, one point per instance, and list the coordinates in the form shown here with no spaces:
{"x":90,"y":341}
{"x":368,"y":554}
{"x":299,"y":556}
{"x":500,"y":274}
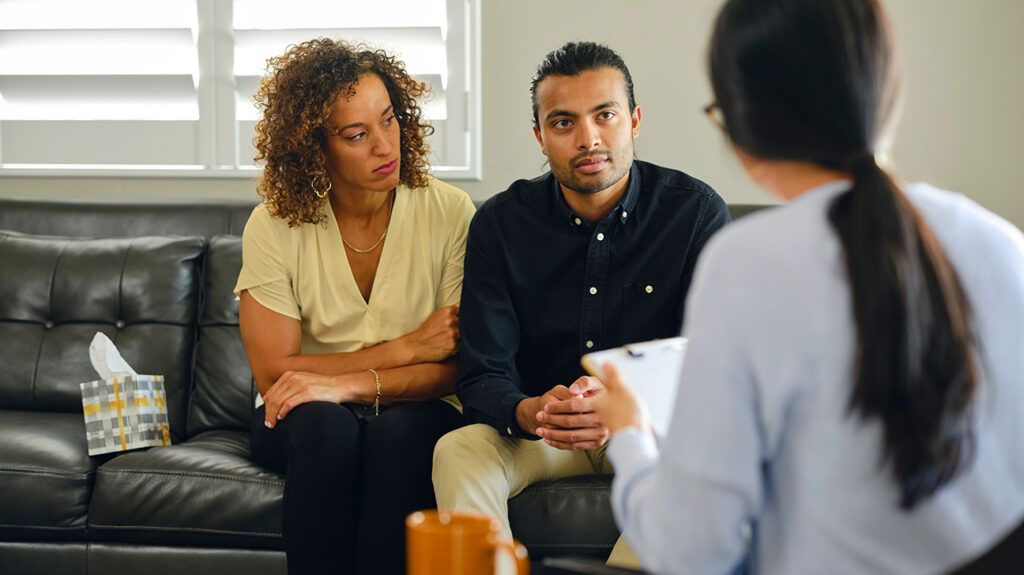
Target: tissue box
{"x":125,"y":412}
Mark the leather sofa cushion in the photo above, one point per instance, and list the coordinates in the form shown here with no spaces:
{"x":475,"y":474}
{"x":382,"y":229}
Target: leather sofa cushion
{"x":45,"y":476}
{"x":38,"y":558}
{"x":571,"y":516}
{"x":57,"y":292}
{"x":224,"y":392}
{"x":121,"y":558}
{"x":208,"y":492}
{"x":205,"y":491}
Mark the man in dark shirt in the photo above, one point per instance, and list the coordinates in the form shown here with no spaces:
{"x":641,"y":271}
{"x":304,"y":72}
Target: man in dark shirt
{"x":594,"y":254}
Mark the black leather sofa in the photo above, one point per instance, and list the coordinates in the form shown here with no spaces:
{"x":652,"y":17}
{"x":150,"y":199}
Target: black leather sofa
{"x":157,"y":279}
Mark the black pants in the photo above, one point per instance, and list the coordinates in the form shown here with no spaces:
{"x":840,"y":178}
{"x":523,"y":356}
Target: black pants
{"x":350,"y":480}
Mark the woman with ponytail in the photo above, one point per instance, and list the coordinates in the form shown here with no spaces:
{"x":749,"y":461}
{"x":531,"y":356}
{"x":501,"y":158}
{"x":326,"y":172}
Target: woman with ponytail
{"x":859,"y":408}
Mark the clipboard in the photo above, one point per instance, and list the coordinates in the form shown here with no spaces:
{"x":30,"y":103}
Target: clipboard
{"x":651,"y":369}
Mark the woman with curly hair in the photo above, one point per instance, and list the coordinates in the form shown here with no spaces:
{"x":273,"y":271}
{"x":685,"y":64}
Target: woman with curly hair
{"x":351,"y":275}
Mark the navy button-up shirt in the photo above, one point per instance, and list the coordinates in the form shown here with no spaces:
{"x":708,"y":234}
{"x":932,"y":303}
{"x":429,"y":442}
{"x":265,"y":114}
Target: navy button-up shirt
{"x":543,"y":286}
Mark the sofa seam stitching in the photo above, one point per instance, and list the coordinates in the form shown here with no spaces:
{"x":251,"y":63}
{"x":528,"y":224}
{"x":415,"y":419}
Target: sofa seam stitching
{"x":120,"y":289}
{"x":191,"y":474}
{"x":37,"y":471}
{"x":49,"y":306}
{"x":171,"y":528}
{"x":559,"y":489}
{"x":47,"y":527}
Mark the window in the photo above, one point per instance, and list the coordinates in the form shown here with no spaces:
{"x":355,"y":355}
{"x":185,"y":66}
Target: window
{"x":164,"y":87}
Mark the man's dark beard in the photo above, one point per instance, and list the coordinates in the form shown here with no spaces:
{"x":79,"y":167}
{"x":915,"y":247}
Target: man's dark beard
{"x":576,"y":185}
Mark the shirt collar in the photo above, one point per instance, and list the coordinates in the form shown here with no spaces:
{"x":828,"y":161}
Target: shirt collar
{"x":621,"y":211}
{"x":632,"y":194}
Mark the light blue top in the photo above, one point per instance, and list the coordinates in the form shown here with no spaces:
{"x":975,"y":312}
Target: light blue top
{"x":761,"y":435}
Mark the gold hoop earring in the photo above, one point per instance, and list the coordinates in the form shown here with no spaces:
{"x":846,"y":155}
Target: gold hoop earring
{"x":322,"y":194}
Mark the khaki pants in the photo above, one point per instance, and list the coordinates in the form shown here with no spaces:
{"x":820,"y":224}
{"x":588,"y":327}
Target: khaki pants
{"x":478,"y":470}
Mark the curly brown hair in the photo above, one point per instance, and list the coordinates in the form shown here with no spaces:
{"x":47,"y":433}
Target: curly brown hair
{"x":296,"y":97}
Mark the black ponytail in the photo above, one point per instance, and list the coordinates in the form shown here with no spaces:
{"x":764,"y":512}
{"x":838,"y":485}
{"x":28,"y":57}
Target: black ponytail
{"x":914,"y":365}
{"x":815,"y":81}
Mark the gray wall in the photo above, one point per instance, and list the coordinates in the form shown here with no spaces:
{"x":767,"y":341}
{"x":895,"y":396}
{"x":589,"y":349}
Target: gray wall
{"x":963,"y":119}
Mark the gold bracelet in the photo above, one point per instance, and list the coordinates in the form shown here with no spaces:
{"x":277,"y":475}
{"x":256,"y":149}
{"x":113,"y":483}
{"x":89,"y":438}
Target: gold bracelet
{"x":376,"y":400}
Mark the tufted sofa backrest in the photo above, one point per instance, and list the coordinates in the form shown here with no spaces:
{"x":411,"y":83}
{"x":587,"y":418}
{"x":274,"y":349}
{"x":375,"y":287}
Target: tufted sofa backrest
{"x":165,"y":300}
{"x":223,"y":394}
{"x":56,"y":293}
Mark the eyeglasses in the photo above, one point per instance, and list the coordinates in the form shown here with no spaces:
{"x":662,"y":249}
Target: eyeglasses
{"x":714,"y":113}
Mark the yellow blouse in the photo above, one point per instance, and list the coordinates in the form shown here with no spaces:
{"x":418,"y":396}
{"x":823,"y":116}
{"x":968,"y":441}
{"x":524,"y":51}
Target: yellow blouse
{"x":303,"y":272}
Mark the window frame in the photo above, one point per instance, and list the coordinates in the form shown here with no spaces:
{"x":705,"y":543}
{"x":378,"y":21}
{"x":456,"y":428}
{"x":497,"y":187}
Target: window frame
{"x":217,"y":142}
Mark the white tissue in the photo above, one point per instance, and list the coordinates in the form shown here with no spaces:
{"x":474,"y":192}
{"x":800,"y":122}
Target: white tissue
{"x":106,"y":360}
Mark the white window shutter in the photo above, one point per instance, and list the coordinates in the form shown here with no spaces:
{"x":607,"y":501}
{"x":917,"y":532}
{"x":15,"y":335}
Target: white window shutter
{"x":164,"y":87}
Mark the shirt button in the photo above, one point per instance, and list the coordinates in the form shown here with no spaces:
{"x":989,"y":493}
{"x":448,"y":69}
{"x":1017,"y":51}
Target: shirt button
{"x":48,"y":324}
{"x":509,"y":430}
{"x":593,"y":291}
{"x":119,"y":324}
{"x":624,"y":214}
{"x":589,"y":344}
{"x":578,"y":221}
{"x":649,"y":289}
{"x":600,"y":237}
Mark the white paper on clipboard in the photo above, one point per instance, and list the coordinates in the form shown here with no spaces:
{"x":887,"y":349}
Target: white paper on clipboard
{"x":651,"y":369}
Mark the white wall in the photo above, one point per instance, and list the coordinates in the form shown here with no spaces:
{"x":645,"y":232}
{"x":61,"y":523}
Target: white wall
{"x":963,"y":121}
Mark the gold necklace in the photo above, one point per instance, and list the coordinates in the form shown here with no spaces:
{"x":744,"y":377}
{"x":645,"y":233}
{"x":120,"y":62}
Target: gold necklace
{"x":382,"y":236}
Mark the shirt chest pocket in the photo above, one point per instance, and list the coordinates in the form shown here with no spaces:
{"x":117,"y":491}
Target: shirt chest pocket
{"x":651,"y":309}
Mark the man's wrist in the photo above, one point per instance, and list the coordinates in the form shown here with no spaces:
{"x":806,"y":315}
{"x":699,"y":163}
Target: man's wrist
{"x":526,"y":415}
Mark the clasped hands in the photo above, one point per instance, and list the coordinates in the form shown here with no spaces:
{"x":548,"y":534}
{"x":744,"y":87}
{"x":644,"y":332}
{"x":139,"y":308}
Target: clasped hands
{"x":564,"y":417}
{"x":585,"y":414}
